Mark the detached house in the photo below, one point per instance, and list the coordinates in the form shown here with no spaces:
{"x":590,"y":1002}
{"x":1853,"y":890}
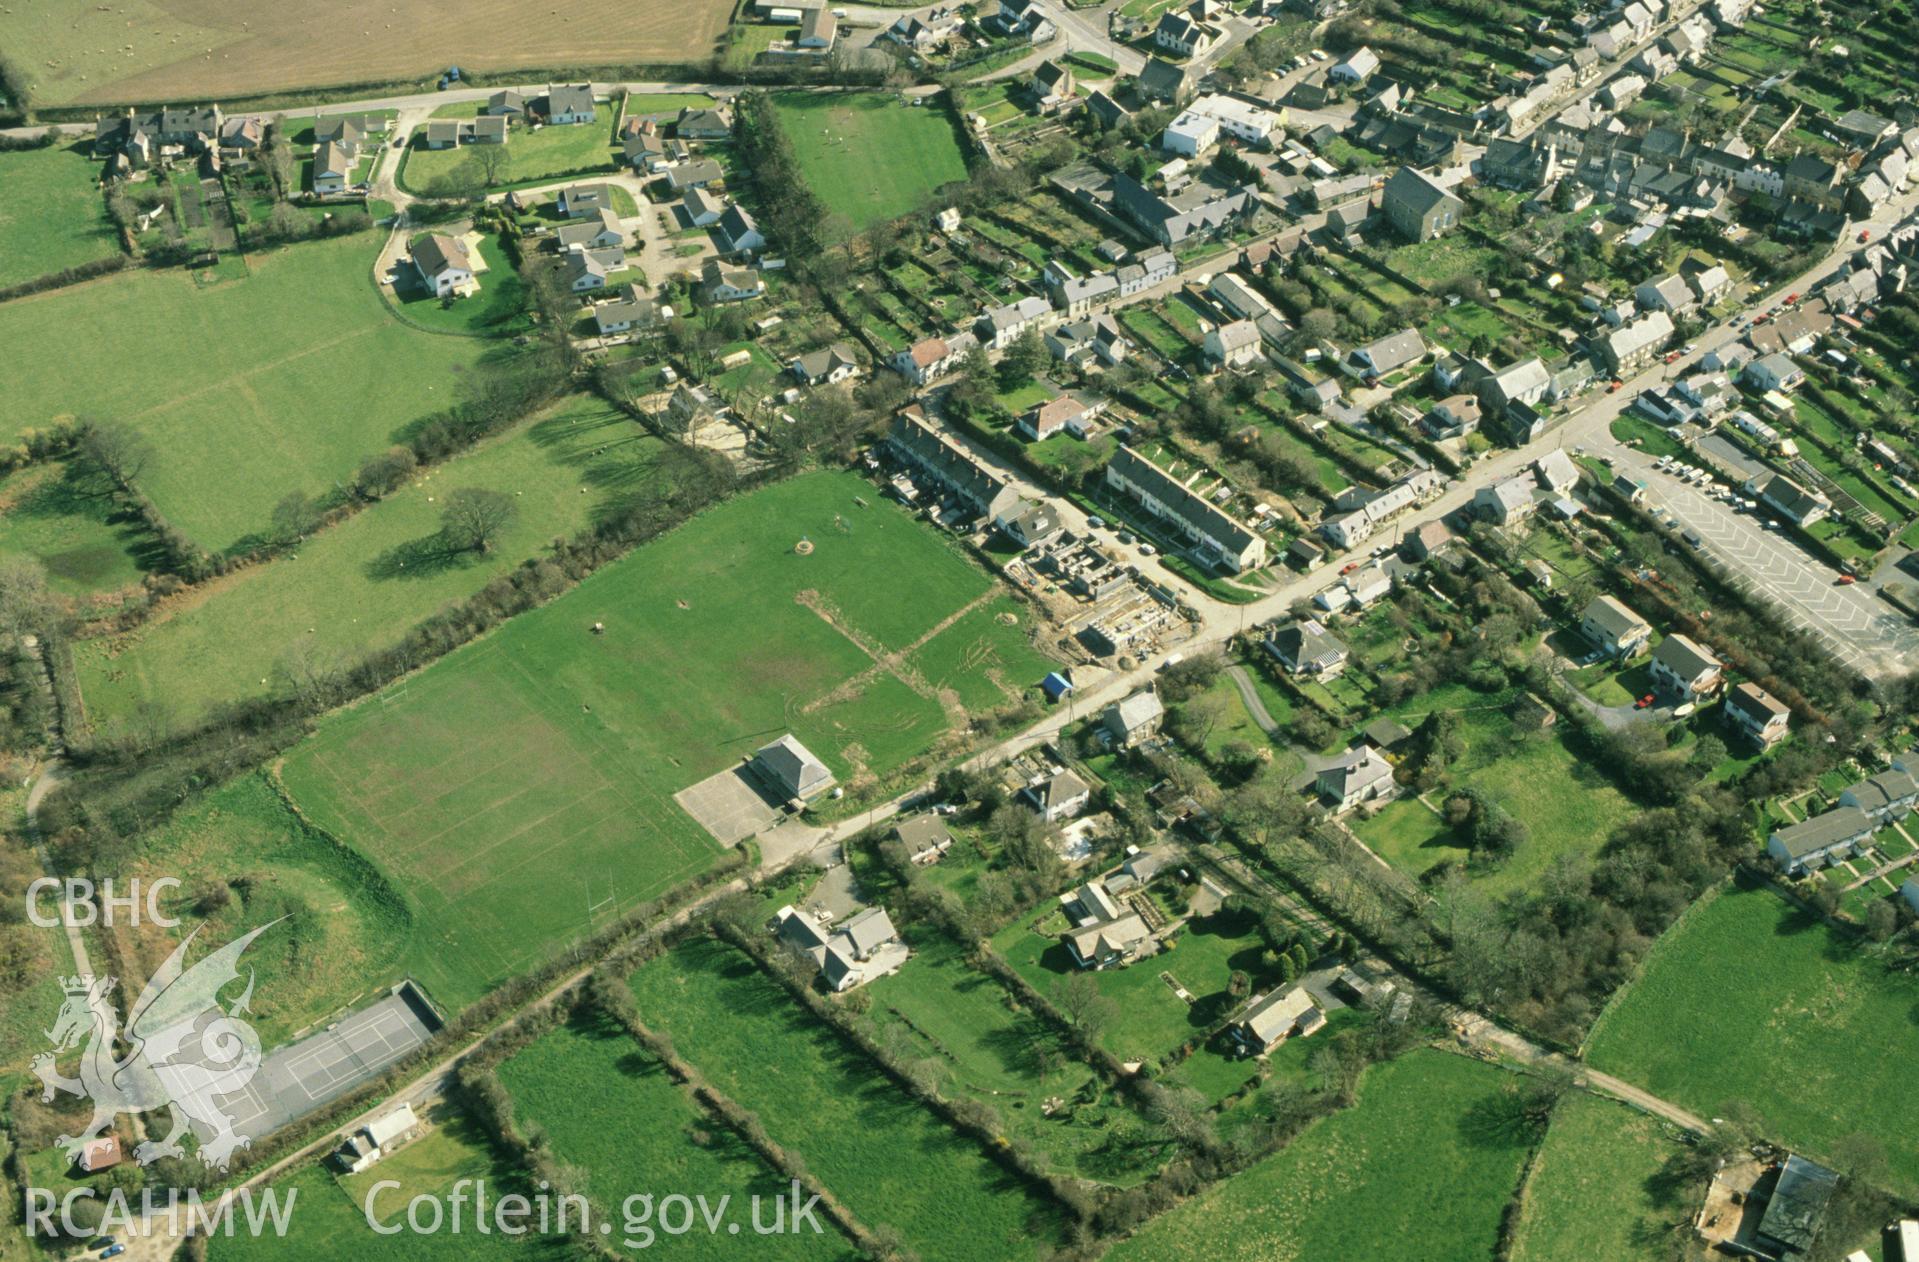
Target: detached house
{"x":332,"y":169}
{"x":1134,"y":719}
{"x":730,"y":284}
{"x":1182,"y":33}
{"x":1061,"y":795}
{"x":1683,"y":667}
{"x":443,"y":264}
{"x":1419,"y":207}
{"x":569,"y":104}
{"x":1757,"y":715}
{"x":1306,"y":647}
{"x":826,"y":365}
{"x":1388,"y":355}
{"x":931,"y":358}
{"x":925,"y":837}
{"x":1111,"y":943}
{"x":1232,"y":345}
{"x":1272,"y":1019}
{"x":1357,"y":776}
{"x":1614,"y":629}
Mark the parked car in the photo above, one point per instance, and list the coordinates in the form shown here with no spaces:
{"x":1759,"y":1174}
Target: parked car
{"x":1643,"y":702}
{"x":1095,"y":522}
{"x":1847,"y":580}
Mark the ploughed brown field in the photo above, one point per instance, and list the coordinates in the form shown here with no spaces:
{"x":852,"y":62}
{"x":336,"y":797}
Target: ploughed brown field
{"x":138,"y":51}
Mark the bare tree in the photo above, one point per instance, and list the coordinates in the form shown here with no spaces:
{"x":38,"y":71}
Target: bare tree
{"x":26,"y":605}
{"x":492,"y":160}
{"x":120,"y":451}
{"x":473,"y":518}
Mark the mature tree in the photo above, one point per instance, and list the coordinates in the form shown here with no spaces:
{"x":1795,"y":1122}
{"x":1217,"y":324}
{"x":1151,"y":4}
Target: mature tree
{"x":473,"y":518}
{"x":1078,"y":998}
{"x":294,"y":516}
{"x":27,"y":606}
{"x":116,"y":449}
{"x":1022,"y":361}
{"x":492,"y":160}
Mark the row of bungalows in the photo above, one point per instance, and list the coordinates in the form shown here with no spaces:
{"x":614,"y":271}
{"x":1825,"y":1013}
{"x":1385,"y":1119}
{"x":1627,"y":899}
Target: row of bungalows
{"x":1861,"y":810}
{"x":1214,"y":534}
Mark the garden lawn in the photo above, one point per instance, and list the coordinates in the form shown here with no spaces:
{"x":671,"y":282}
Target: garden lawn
{"x":950,"y":1012}
{"x":529,"y":777}
{"x":867,"y":158}
{"x":247,"y":389}
{"x":54,"y":515}
{"x":1148,"y":1020}
{"x":892,"y":1162}
{"x":571,"y":1080}
{"x":1748,"y":999}
{"x":1567,"y":805}
{"x":1594,"y":1189}
{"x":344,"y":928}
{"x":498,"y":310}
{"x":1421,"y":1167}
{"x":551,"y":153}
{"x":361,"y":585}
{"x":53,"y":216}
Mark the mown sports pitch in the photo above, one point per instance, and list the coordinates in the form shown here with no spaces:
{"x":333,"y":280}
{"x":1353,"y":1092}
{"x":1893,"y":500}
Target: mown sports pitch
{"x":521,"y":790}
{"x":866,"y":156}
{"x":249,"y":389}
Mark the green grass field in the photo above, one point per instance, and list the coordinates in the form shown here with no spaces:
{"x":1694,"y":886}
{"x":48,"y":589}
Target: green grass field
{"x":329,"y":1213}
{"x":573,"y":1079}
{"x":1594,"y":1190}
{"x":360,"y":585}
{"x":1566,"y":804}
{"x":58,"y":519}
{"x":867,"y":158}
{"x":53,"y":216}
{"x":532,"y":156}
{"x":546,"y":749}
{"x":888,"y":1159}
{"x":1748,"y":1000}
{"x":1419,"y":1168}
{"x":247,"y":390}
{"x":986,"y":658}
{"x":345,"y":928}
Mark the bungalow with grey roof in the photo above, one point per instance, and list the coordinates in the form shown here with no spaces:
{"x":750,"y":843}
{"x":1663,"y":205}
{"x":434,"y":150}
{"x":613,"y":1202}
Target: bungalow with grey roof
{"x":1305,"y":647}
{"x":694,"y":173}
{"x":827,"y":364}
{"x":1387,"y":355}
{"x":926,"y":838}
{"x":738,"y":232}
{"x":579,"y":200}
{"x":1271,"y":1019}
{"x":589,"y":268}
{"x":568,"y":104}
{"x":730,"y":284}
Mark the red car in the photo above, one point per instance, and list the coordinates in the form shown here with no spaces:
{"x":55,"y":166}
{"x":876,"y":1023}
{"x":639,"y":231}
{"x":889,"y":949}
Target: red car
{"x":1865,"y":235}
{"x":1643,"y":702}
{"x":1847,"y":580}
{"x":1616,"y":383}
{"x":1350,"y":567}
{"x":1791,"y":298}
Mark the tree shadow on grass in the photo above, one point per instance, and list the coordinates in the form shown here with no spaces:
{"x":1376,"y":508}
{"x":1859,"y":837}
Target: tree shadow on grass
{"x":427,"y":557}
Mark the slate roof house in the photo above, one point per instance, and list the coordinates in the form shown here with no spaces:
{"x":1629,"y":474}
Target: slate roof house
{"x":1757,"y":715}
{"x":1813,"y":843}
{"x":1134,"y":719}
{"x":1418,"y":207}
{"x":1683,"y":667}
{"x":1215,"y":535}
{"x":1058,"y":796}
{"x":790,"y":769}
{"x":1359,"y":775}
{"x":568,"y":103}
{"x":1111,"y":943}
{"x":828,"y":364}
{"x":922,"y":445}
{"x":443,"y":264}
{"x":926,"y":838}
{"x":1306,"y":647}
{"x":1614,"y":629}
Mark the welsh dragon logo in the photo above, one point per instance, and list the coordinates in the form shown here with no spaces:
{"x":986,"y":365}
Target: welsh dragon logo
{"x":185,"y":1051}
